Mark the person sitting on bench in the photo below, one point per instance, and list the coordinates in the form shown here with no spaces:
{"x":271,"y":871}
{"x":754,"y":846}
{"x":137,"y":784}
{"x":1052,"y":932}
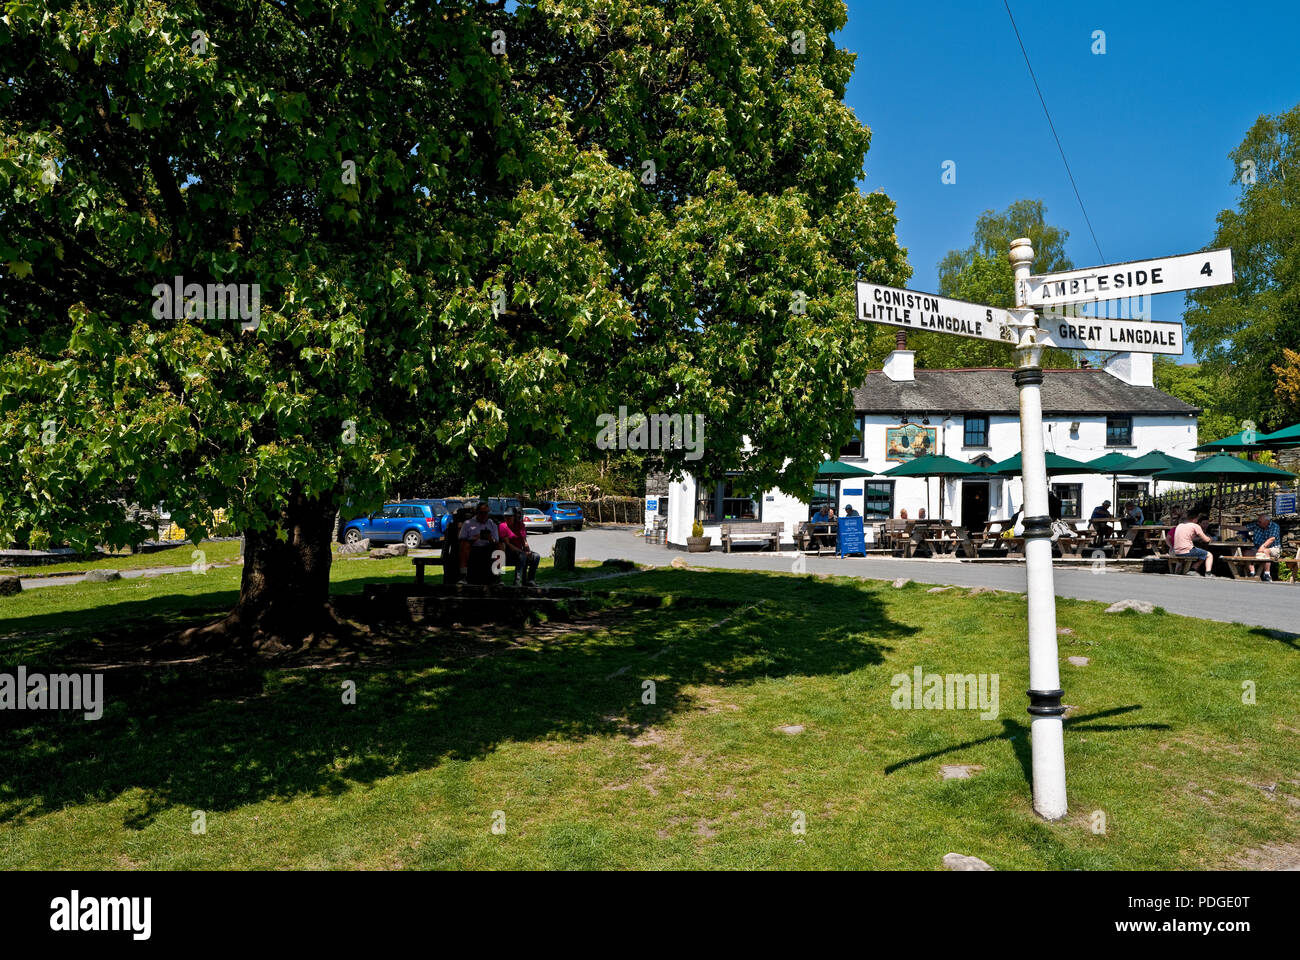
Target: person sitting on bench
{"x":1268,"y":543}
{"x":478,"y":535}
{"x":1185,"y":536}
{"x":451,"y":545}
{"x":514,"y":537}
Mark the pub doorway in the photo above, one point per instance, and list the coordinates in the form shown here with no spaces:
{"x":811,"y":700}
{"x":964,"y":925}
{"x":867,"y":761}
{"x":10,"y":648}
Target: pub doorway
{"x":974,"y":503}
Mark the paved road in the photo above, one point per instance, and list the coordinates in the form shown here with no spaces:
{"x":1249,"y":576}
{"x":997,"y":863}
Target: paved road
{"x":1273,"y":605}
{"x":32,"y":583}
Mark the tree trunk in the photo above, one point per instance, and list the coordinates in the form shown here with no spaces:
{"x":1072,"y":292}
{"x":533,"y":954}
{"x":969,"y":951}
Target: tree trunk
{"x":284,"y":593}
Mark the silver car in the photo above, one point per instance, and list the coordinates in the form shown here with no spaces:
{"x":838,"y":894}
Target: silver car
{"x":535,"y":521}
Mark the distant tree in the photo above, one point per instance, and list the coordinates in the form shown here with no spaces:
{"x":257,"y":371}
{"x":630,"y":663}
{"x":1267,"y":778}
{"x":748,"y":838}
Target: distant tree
{"x":1203,"y":387}
{"x":982,"y":274}
{"x":1242,"y":330}
{"x":1288,"y":384}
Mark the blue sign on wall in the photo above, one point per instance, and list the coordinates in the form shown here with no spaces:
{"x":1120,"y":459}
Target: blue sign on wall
{"x":1283,"y":503}
{"x":651,"y":504}
{"x":852,"y":493}
{"x":850,"y":536}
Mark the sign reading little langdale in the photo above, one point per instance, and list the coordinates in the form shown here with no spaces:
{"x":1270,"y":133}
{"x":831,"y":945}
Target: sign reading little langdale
{"x":928,"y":311}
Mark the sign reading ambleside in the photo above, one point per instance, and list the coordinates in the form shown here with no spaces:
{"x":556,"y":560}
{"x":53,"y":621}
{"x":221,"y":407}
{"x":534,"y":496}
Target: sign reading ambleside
{"x":927,"y":311}
{"x":1096,"y":333}
{"x":1139,"y":278}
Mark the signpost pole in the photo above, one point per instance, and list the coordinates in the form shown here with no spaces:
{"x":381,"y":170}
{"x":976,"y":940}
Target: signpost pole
{"x":1047,"y":740}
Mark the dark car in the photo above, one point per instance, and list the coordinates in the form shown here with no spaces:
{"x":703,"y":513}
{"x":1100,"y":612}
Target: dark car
{"x":498,"y":507}
{"x":413,"y":524}
{"x":563,"y":513}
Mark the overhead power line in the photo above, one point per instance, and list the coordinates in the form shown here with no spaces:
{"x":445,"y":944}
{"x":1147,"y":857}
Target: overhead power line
{"x":1048,"y":114}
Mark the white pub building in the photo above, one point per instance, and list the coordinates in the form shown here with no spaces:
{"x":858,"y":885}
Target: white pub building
{"x":966,"y":414}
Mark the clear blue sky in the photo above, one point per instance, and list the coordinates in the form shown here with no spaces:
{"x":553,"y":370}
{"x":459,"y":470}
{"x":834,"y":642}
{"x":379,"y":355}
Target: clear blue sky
{"x":1146,"y":127}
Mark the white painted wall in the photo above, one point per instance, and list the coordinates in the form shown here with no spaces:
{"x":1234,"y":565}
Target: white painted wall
{"x":1172,"y":434}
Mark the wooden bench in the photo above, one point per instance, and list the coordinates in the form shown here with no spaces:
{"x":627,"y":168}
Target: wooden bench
{"x":1239,"y":565}
{"x":420,"y":564}
{"x":1180,"y":565}
{"x":752,"y":533}
{"x":1292,"y":564}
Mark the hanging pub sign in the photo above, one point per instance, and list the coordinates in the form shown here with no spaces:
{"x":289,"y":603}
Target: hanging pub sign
{"x":909,"y":441}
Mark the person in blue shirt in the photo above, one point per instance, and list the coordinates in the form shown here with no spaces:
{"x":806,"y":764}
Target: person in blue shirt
{"x":821,"y":516}
{"x":1268,"y":543}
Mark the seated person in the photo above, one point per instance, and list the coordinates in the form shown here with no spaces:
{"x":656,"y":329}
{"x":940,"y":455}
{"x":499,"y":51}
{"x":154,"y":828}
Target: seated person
{"x":1185,"y":536}
{"x":451,"y":545}
{"x":479,"y":533}
{"x":849,"y":511}
{"x":821,"y":516}
{"x":1267,"y":538}
{"x":514,"y":537}
{"x":1133,"y":515}
{"x":1102,"y":512}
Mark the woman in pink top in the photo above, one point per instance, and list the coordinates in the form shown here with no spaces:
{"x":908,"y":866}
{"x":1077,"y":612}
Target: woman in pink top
{"x":1185,"y":536}
{"x":514,"y":537}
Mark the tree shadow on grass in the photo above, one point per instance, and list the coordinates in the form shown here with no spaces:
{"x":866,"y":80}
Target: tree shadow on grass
{"x":215,"y":736}
{"x":1016,"y":732}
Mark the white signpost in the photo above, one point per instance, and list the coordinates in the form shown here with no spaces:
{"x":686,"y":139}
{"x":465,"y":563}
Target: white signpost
{"x":1118,"y":280}
{"x":1019,"y":325}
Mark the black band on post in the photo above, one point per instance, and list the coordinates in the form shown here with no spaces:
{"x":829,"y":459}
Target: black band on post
{"x":1025,"y":376}
{"x":1038,"y":528}
{"x":1046,"y":703}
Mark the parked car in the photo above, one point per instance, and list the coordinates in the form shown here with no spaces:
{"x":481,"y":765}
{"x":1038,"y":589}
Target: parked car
{"x":499,"y":506}
{"x":536,"y":522}
{"x":442,"y":510}
{"x":413,"y":524}
{"x":563,"y":514}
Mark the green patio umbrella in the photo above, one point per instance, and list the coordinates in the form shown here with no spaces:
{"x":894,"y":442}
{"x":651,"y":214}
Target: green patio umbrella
{"x":838,"y":468}
{"x":1234,"y":442}
{"x":1220,"y":468}
{"x":935,"y":465}
{"x":1113,"y":463}
{"x":1150,"y":464}
{"x":1056,"y":465}
{"x":1282,"y":439}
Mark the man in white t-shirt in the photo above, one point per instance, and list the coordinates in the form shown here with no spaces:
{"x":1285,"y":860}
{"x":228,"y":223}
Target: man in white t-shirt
{"x":478,"y":532}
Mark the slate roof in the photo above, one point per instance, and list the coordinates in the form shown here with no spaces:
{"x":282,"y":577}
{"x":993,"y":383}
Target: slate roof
{"x":992,"y":390}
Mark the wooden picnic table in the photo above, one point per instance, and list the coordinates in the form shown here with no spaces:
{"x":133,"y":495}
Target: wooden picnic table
{"x":824,"y":535}
{"x":1153,"y":536}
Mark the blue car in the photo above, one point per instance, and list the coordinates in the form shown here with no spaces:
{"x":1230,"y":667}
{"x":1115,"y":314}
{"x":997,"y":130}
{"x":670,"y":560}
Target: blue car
{"x":414,"y":524}
{"x":442,"y":510}
{"x":563,"y":513}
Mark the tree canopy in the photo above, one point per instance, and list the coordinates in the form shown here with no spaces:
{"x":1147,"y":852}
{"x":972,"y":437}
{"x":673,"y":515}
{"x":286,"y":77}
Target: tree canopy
{"x":470,"y":229}
{"x":981,"y":273}
{"x":1240,"y":331}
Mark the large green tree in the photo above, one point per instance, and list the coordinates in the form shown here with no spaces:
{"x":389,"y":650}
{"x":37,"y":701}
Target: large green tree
{"x":474,"y":228}
{"x":981,"y":273}
{"x":1240,"y":331}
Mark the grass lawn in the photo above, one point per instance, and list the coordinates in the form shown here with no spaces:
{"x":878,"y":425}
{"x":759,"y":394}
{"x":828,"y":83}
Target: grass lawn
{"x":545,"y":733}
